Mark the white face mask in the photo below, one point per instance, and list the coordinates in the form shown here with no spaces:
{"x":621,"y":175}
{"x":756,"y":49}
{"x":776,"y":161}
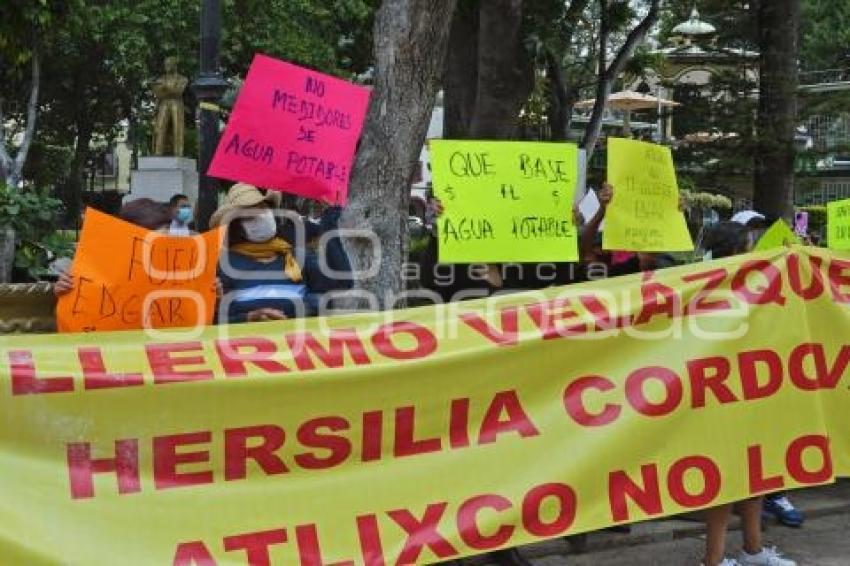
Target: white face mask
{"x":260,"y":228}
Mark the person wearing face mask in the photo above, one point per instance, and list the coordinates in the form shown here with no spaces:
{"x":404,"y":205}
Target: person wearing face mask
{"x":181,"y":215}
{"x":260,"y":273}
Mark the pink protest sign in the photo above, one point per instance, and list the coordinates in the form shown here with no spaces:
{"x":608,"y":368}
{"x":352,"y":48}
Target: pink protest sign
{"x":293,"y":130}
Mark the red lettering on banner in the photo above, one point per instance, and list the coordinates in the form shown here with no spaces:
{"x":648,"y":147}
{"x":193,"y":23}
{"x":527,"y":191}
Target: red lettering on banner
{"x":833,"y":376}
{"x":710,"y":477}
{"x":795,"y":277}
{"x":304,"y":346}
{"x":373,"y":436}
{"x":309,"y":436}
{"x":95,"y":375}
{"x":369,"y":535}
{"x":25,"y":381}
{"x":771,"y":293}
{"x":235,"y":361}
{"x":838,"y":279}
{"x":81,"y":467}
{"x":797,"y":366}
{"x":701,"y":303}
{"x":237,"y":452}
{"x":164,"y":365}
{"x":752,"y":388}
{"x":256,"y":545}
{"x":506,"y":335}
{"x":459,"y":424}
{"x":647,"y":497}
{"x":308,"y":548}
{"x":193,"y":554}
{"x":426,"y":342}
{"x":533,"y":502}
{"x":657,"y":299}
{"x":166,"y":459}
{"x":548,"y":314}
{"x":518,"y":421}
{"x":467,"y":522}
{"x":709,"y":374}
{"x":602,"y":315}
{"x":794,"y":460}
{"x":574,"y":401}
{"x":405,"y":435}
{"x":637,"y":398}
{"x":421,"y":533}
{"x":758,"y":482}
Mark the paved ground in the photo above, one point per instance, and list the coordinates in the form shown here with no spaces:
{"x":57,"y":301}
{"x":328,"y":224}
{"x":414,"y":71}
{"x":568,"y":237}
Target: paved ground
{"x":824,"y":540}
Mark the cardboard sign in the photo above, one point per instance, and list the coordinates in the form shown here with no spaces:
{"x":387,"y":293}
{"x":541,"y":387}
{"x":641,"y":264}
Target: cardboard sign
{"x":505,"y":201}
{"x":777,"y":236}
{"x":293,"y":130}
{"x":838,"y":224}
{"x":127,"y":278}
{"x":644,"y":214}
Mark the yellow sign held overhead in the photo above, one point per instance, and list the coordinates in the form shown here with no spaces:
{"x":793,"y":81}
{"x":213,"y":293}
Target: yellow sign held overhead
{"x":777,"y":236}
{"x":505,"y":201}
{"x":644,"y":215}
{"x":838,"y":224}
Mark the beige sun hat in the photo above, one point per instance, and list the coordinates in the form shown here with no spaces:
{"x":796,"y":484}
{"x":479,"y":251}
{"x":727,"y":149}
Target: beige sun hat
{"x":241,"y":195}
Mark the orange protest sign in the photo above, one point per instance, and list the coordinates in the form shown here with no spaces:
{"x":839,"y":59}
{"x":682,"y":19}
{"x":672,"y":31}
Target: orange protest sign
{"x":127,"y":277}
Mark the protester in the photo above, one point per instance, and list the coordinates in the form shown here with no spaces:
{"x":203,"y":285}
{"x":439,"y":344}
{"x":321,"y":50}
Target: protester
{"x":776,"y":505}
{"x":181,"y":216}
{"x":261,"y":276}
{"x":142,"y":212}
{"x":723,"y":240}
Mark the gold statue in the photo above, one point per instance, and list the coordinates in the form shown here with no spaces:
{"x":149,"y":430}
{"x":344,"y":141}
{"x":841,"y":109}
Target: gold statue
{"x":168,"y":90}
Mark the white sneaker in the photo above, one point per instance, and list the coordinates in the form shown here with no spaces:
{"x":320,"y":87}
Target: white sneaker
{"x":728,"y":562}
{"x":767,"y":557}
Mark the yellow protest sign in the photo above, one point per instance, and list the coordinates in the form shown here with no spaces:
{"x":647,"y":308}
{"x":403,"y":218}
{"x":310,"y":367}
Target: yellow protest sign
{"x":413,"y":437}
{"x":505,"y":201}
{"x":644,"y":214}
{"x":777,"y":236}
{"x":127,"y":277}
{"x":838,"y":224}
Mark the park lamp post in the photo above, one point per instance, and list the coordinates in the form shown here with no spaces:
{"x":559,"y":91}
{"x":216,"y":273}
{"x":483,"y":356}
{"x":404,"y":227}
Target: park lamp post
{"x":208,"y":87}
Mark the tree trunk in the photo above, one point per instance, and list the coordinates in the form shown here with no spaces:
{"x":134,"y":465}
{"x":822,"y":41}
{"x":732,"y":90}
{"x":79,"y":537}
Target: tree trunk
{"x":608,"y":76}
{"x":505,"y":72}
{"x":460,"y":84}
{"x":779,"y":22}
{"x":13,"y":168}
{"x":411,"y":40}
{"x":78,"y":163}
{"x":561,"y":99}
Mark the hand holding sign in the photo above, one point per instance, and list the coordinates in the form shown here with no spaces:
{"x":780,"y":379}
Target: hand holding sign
{"x":292,"y":129}
{"x":645,"y":215}
{"x":505,"y":201}
{"x":126,"y":277}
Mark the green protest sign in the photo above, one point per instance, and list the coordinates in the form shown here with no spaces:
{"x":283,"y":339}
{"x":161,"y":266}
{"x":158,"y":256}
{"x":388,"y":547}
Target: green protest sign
{"x":505,"y":201}
{"x":644,"y":214}
{"x":838,"y":225}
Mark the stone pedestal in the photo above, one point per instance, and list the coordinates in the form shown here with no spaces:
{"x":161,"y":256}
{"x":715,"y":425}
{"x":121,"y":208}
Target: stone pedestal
{"x":160,"y":178}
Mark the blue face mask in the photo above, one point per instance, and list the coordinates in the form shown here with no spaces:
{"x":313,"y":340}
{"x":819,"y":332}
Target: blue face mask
{"x":184,"y":214}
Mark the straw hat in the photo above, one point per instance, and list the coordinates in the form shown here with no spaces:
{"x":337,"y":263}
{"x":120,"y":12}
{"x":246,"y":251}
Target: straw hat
{"x":241,"y":195}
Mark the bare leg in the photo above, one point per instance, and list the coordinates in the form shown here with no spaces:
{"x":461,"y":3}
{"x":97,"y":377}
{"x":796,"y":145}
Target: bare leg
{"x":751,"y":524}
{"x":716,"y":522}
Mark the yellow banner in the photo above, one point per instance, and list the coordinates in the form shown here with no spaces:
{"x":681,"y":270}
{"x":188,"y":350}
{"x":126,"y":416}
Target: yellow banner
{"x":505,"y":201}
{"x":644,"y":215}
{"x":415,"y":436}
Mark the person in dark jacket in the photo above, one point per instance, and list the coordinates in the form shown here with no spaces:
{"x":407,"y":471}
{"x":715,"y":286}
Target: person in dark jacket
{"x":265,"y":274}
